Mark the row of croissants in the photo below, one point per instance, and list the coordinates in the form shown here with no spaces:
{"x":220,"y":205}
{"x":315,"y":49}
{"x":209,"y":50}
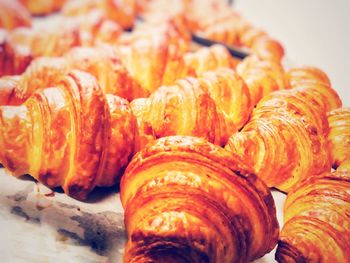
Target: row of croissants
{"x":195,"y":137}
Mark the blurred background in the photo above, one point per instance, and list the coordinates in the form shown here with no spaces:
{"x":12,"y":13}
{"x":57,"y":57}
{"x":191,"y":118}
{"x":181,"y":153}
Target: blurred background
{"x":313,"y":32}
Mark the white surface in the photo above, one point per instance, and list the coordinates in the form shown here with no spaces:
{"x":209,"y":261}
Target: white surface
{"x":313,"y":32}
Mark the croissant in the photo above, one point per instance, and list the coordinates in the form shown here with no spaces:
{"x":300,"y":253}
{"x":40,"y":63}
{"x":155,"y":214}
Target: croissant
{"x":102,"y":62}
{"x":69,"y":135}
{"x":13,"y":14}
{"x":285,"y":138}
{"x":185,"y":108}
{"x":316,"y":216}
{"x":219,"y":22}
{"x":197,"y":63}
{"x":187,"y":200}
{"x":230,"y":94}
{"x":212,"y":106}
{"x":262,"y":76}
{"x":339,"y":138}
{"x":155,"y":60}
{"x":149,"y":51}
{"x":53,"y":36}
{"x":43,"y":7}
{"x":122,"y":12}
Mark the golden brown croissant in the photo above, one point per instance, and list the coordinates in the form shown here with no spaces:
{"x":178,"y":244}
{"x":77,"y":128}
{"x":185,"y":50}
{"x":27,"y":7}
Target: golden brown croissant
{"x":187,"y":200}
{"x":151,"y":51}
{"x":70,"y":135}
{"x":43,"y":7}
{"x":53,"y":36}
{"x":196,"y":63}
{"x":339,"y":137}
{"x":185,"y":108}
{"x":160,"y":55}
{"x":219,"y":22}
{"x":13,"y":14}
{"x":123,"y":12}
{"x":316,"y":216}
{"x":230,"y":94}
{"x":212,"y":106}
{"x":262,"y":76}
{"x":102,"y":62}
{"x":285,"y":139}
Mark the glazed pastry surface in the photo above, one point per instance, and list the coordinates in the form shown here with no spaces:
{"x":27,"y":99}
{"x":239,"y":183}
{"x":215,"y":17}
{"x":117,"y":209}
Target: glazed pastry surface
{"x":316,"y":217}
{"x":70,"y":135}
{"x":102,"y":62}
{"x":212,"y":106}
{"x":285,"y":139}
{"x":339,"y":137}
{"x":187,"y":200}
{"x":53,"y":36}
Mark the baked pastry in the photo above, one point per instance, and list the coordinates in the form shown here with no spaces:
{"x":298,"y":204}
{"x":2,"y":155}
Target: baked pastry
{"x":216,"y":20}
{"x":187,"y":200}
{"x":339,"y":137}
{"x":13,"y":14}
{"x":316,"y":216}
{"x":53,"y":36}
{"x":212,"y":107}
{"x":155,"y":59}
{"x":102,"y":62}
{"x":262,"y":76}
{"x":43,"y":7}
{"x":150,"y":53}
{"x":122,"y":12}
{"x":70,"y":135}
{"x":185,"y":108}
{"x":285,"y":138}
{"x":196,"y":63}
{"x":231,"y":95}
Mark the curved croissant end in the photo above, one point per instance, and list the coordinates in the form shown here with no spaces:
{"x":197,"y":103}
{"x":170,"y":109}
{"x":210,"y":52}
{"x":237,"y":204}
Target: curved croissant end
{"x":306,"y":74}
{"x":261,"y":77}
{"x":285,"y":139}
{"x":316,"y":219}
{"x":206,"y":59}
{"x":69,"y":135}
{"x":339,"y":137}
{"x":186,"y":108}
{"x":187,"y":200}
{"x":231,"y":96}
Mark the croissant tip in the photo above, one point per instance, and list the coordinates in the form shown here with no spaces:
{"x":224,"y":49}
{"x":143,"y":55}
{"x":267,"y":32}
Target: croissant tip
{"x":77,"y":192}
{"x":288,"y":253}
